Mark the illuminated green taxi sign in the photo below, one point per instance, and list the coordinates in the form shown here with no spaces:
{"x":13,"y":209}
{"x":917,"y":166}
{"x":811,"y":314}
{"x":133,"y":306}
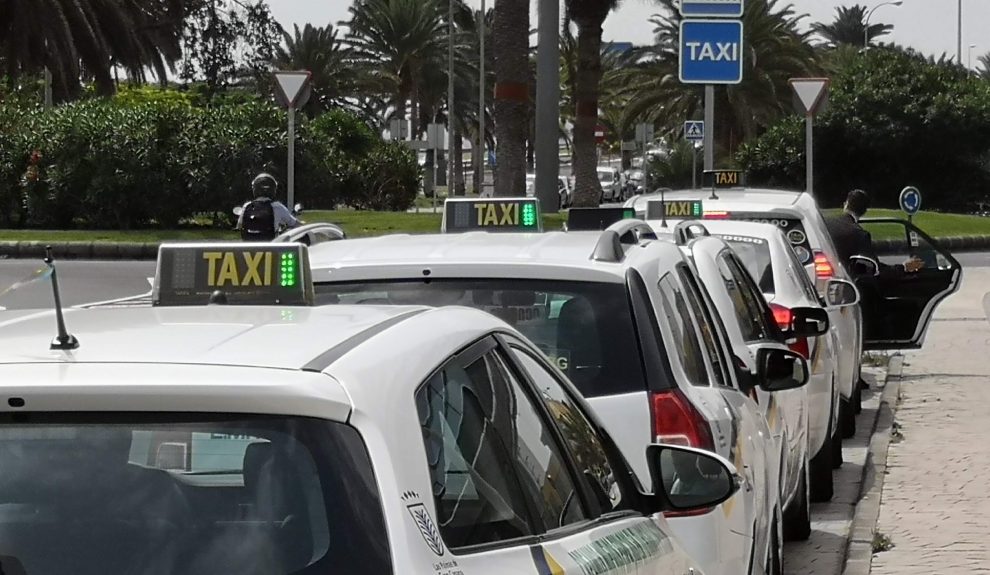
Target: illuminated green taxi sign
{"x":233,"y":274}
{"x":492,"y":215}
{"x":674,"y":210}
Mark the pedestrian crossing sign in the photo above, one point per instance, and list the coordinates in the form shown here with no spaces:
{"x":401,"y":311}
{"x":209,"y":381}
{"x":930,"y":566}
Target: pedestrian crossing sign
{"x":694,"y":131}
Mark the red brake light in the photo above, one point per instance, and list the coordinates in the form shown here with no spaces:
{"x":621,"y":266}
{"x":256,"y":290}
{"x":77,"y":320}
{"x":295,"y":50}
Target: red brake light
{"x":823,"y":267}
{"x":785,"y":318}
{"x":676,"y":421}
{"x":716,"y":215}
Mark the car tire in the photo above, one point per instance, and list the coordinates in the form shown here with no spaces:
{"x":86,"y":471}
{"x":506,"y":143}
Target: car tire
{"x":857,"y":397}
{"x":820,"y":472}
{"x":836,"y":441}
{"x":775,"y":561}
{"x":847,"y":418}
{"x":797,"y":518}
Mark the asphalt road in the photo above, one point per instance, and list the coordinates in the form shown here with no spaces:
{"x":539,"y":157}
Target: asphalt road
{"x":94,"y":281}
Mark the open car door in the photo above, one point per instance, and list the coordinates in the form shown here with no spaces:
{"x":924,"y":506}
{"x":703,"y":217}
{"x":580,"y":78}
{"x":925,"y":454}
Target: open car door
{"x":897,"y":302}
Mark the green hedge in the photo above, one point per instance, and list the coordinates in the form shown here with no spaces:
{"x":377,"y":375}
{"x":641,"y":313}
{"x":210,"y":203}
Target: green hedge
{"x":142,"y":160}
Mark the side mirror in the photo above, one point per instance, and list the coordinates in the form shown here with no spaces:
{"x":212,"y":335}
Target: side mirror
{"x":864,"y":266}
{"x":781,"y":369}
{"x":297,"y":209}
{"x":808,"y":322}
{"x":841,"y":293}
{"x":238,"y":211}
{"x":690,"y":479}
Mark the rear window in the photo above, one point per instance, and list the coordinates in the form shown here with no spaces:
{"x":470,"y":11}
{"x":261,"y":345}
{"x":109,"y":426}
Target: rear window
{"x":196,"y":494}
{"x":755,"y":255}
{"x":585,"y":328}
{"x":792,"y":228}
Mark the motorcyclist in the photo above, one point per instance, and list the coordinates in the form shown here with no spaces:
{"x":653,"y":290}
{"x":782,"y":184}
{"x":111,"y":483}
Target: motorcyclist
{"x":264,"y":217}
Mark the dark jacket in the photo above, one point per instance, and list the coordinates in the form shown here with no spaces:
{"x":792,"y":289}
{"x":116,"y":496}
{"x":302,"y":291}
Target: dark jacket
{"x":850,"y":238}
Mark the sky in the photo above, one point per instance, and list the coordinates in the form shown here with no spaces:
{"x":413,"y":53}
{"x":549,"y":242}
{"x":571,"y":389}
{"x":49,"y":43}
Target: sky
{"x":929,"y":26}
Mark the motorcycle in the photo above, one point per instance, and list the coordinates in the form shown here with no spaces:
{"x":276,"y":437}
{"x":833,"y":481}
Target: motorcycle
{"x":308,"y":234}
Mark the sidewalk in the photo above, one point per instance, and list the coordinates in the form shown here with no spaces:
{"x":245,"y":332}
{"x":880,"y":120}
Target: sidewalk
{"x":936,"y":498}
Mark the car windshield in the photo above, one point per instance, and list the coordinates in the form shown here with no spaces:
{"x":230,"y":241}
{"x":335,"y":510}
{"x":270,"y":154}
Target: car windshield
{"x":586,"y":328}
{"x":186,"y":494}
{"x":605,"y":176}
{"x":755,"y":254}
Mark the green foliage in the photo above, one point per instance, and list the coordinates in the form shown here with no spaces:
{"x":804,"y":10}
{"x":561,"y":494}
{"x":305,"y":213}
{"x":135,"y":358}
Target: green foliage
{"x":895,"y":118}
{"x":149,"y":158}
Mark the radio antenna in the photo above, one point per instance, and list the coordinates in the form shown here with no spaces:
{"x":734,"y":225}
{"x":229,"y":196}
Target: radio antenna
{"x":663,"y":212}
{"x":64,"y":341}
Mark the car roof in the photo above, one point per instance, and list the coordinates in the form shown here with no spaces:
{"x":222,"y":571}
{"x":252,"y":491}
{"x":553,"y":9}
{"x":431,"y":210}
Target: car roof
{"x":754,"y":229}
{"x":549,"y":255}
{"x":739,"y":199}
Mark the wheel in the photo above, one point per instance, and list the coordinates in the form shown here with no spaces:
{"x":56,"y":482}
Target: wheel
{"x":775,"y":561}
{"x":847,"y":418}
{"x":857,"y":398}
{"x":836,"y":441}
{"x":797,"y":517}
{"x":820,"y":472}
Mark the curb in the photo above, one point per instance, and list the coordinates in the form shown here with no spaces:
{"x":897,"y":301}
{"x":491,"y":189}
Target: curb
{"x":81,"y":250}
{"x":859,"y":552}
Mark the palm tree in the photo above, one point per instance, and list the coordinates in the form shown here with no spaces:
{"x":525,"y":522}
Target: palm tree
{"x":320,"y":51}
{"x":849,"y":27}
{"x":984,"y":69}
{"x":396,"y":42}
{"x":776,"y":50}
{"x":588,"y":15}
{"x":68,"y":37}
{"x":510,"y":49}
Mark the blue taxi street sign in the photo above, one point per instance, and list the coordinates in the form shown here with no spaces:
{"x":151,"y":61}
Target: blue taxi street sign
{"x":711,"y":52}
{"x":694,"y":131}
{"x":711,"y":8}
{"x":910,"y":200}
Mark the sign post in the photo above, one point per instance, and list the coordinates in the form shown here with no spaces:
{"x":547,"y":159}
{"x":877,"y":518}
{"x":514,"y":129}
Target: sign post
{"x":644,"y":135}
{"x":293,"y":92}
{"x":812,"y":94}
{"x":694,"y":132}
{"x":434,"y":141}
{"x":910,"y":201}
{"x":711,"y":52}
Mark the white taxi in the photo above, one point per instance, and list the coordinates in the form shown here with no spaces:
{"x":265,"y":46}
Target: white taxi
{"x":279,"y":437}
{"x":623,"y":316}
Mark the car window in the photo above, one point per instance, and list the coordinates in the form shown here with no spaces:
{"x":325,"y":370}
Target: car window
{"x":196,"y":494}
{"x":678,"y":320}
{"x":577,"y":431}
{"x":755,"y":255}
{"x":496,"y":472}
{"x":707,"y":327}
{"x":801,"y":277}
{"x":748,"y":312}
{"x":586,"y":328}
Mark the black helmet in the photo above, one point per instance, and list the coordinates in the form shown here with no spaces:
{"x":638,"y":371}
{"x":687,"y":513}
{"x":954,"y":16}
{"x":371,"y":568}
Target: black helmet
{"x":264,"y":186}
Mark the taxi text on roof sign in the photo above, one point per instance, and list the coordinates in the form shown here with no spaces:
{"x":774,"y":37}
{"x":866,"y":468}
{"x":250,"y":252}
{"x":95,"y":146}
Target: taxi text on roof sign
{"x":237,"y":274}
{"x":675,"y":210}
{"x":492,"y":214}
{"x":723,"y":179}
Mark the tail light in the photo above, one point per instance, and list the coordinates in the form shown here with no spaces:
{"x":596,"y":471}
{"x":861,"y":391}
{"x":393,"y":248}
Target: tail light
{"x":823,"y":267}
{"x":716,"y":215}
{"x":785,"y":318}
{"x":677,"y":422}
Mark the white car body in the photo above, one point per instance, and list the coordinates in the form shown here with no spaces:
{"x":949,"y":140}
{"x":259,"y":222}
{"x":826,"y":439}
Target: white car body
{"x":391,"y":269}
{"x":294,"y":367}
{"x":783,"y":209}
{"x":611,"y":181}
{"x":565,"y":190}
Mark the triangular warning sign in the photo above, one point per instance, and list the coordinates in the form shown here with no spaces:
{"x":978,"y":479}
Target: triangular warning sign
{"x":694,"y":130}
{"x":810,"y":92}
{"x":290,"y":86}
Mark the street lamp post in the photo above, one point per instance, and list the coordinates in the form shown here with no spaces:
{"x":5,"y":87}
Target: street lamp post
{"x":481,"y":96}
{"x":959,"y":36}
{"x":866,"y":27}
{"x":450,"y":100}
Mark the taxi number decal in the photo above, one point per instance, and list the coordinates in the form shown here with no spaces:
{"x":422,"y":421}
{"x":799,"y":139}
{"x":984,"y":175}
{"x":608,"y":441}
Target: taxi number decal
{"x":252,"y":269}
{"x":504,"y":214}
{"x":514,"y":314}
{"x":633,"y":546}
{"x":778,"y":223}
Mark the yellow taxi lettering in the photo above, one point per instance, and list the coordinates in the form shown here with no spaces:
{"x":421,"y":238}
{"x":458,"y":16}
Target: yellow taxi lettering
{"x":252,"y":275}
{"x":212,"y":258}
{"x":491,"y":215}
{"x":510,"y":214}
{"x":228,"y":271}
{"x":269,"y":270}
{"x":727,"y":178}
{"x":481,"y":208}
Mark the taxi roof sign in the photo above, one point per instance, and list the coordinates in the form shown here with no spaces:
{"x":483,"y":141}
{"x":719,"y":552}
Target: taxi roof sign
{"x":674,"y":209}
{"x":596,"y":219}
{"x":491,"y":215}
{"x":722,"y":179}
{"x":233,"y":273}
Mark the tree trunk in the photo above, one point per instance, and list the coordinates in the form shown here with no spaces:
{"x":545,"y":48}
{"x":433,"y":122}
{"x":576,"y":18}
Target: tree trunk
{"x":587,"y":189}
{"x":457,"y":156}
{"x":511,"y":49}
{"x":478,"y":161}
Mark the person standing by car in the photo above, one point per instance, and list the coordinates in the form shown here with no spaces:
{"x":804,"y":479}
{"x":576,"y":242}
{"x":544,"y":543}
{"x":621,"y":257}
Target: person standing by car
{"x":264,"y":217}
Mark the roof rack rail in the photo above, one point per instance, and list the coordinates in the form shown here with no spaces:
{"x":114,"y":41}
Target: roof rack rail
{"x":626,"y":232}
{"x":688,"y":230}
